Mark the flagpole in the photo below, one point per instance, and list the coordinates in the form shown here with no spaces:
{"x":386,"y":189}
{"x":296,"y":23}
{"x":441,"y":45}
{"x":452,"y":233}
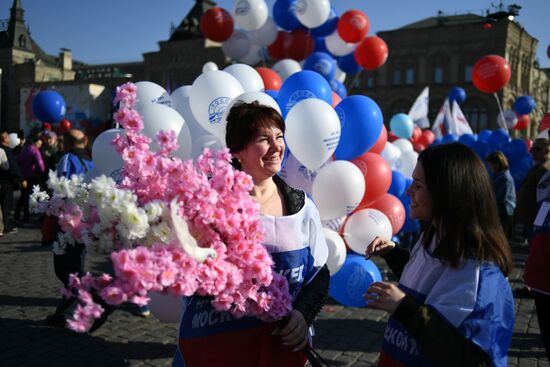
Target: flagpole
{"x":501,"y":112}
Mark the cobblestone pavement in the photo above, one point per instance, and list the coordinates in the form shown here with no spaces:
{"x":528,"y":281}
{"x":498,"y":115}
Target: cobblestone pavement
{"x":29,"y":291}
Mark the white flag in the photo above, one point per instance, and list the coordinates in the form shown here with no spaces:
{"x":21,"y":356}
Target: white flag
{"x":419,"y":110}
{"x":458,"y":124}
{"x":441,"y":123}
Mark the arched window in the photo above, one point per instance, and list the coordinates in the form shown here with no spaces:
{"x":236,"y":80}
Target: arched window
{"x":22,"y":41}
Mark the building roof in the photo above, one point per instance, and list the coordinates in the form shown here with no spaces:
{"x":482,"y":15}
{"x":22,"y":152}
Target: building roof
{"x":189,"y":27}
{"x":446,"y":20}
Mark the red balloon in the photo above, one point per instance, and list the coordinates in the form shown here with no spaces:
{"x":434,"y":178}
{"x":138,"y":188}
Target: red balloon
{"x":426,"y":138}
{"x":417,"y":132}
{"x":491,"y":73}
{"x":378,"y":147}
{"x":523,"y":122}
{"x":392,"y":207}
{"x":64,"y":126}
{"x":353,"y":26}
{"x":418,"y":147}
{"x":301,"y":45}
{"x":217,"y":24}
{"x":278,"y":49}
{"x":377,"y":173}
{"x":545,"y":122}
{"x":272,"y":80}
{"x":335,"y":99}
{"x":371,"y":53}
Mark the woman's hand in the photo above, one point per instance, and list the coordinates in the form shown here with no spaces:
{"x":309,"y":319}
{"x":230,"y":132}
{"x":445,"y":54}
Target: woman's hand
{"x":295,"y":332}
{"x":379,"y":246}
{"x":384,"y":296}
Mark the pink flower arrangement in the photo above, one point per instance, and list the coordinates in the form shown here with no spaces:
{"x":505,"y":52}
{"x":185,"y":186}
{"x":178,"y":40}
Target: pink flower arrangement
{"x":212,"y":210}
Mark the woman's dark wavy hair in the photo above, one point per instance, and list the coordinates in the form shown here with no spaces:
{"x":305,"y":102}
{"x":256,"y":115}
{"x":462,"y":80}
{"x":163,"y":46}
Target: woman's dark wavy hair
{"x":244,"y":122}
{"x":464,"y":219}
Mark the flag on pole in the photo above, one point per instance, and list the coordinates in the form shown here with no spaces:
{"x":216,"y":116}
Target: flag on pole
{"x":441,"y":123}
{"x":419,"y":110}
{"x":459,"y":124}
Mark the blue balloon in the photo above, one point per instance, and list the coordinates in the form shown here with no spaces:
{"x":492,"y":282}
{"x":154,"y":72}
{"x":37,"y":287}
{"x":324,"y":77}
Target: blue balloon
{"x":484,"y":135}
{"x":272,"y":93}
{"x":339,"y":88}
{"x":482,"y":149}
{"x":524,"y":105}
{"x":515,"y":150}
{"x":353,"y":279}
{"x":498,"y":139}
{"x":361,"y":120}
{"x":436,"y":141}
{"x":398,"y":184}
{"x":328,"y":27}
{"x":321,"y":46}
{"x":302,"y":85}
{"x":348,"y":64}
{"x":322,"y":63}
{"x":457,"y":94}
{"x":468,"y":140}
{"x":48,"y":106}
{"x":284,"y":16}
{"x":402,"y":125}
{"x":449,"y":138}
{"x":520,"y":168}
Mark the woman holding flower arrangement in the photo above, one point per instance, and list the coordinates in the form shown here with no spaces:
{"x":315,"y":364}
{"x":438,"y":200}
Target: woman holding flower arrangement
{"x":293,"y":237}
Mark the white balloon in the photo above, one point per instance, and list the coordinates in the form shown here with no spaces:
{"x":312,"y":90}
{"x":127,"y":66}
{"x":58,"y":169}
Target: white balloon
{"x":254,"y":55}
{"x":340,"y":75}
{"x":336,"y":250}
{"x":338,"y":189}
{"x":406,"y":163}
{"x":14,"y":140}
{"x":312,"y":132}
{"x":249,"y":78}
{"x":286,"y":67}
{"x":106,"y":159}
{"x":250,"y":14}
{"x":206,"y":141}
{"x":180,"y":101}
{"x":334,"y":224}
{"x":297,"y":175}
{"x":312,"y":13}
{"x":508,"y":118}
{"x":211,"y":93}
{"x":149,"y":92}
{"x":185,"y":145}
{"x":164,"y":307}
{"x":237,"y":45}
{"x":337,"y":46}
{"x":403,"y":145}
{"x":391,"y":153}
{"x":157,"y":117}
{"x":363,"y":226}
{"x":266,"y":34}
{"x":209,"y":66}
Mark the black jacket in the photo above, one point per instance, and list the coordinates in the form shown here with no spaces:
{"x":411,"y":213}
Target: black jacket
{"x":13,"y":174}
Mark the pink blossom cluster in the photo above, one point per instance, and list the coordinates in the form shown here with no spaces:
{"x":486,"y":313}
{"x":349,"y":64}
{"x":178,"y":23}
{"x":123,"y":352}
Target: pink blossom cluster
{"x":214,"y":200}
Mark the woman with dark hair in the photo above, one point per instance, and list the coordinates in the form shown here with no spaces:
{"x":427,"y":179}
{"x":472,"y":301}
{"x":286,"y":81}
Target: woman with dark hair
{"x":505,"y":191}
{"x":453,"y":305}
{"x":32,"y":166}
{"x":293,"y":237}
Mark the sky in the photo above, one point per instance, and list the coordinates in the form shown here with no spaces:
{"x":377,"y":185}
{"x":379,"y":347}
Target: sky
{"x":108,"y":31}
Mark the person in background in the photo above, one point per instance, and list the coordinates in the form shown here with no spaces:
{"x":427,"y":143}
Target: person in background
{"x":537,"y":271}
{"x":51,"y":150}
{"x":294,"y":238}
{"x":9,"y":179}
{"x":4,"y":166}
{"x":527,"y":201}
{"x":505,"y":191}
{"x":22,"y":141}
{"x":33,"y":168}
{"x":453,"y":305}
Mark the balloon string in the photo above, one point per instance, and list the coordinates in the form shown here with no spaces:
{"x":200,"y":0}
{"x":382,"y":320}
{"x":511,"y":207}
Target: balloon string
{"x":501,"y":113}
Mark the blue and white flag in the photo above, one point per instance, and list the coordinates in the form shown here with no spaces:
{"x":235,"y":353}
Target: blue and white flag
{"x":442,"y":120}
{"x":459,"y":125}
{"x":419,"y":110}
